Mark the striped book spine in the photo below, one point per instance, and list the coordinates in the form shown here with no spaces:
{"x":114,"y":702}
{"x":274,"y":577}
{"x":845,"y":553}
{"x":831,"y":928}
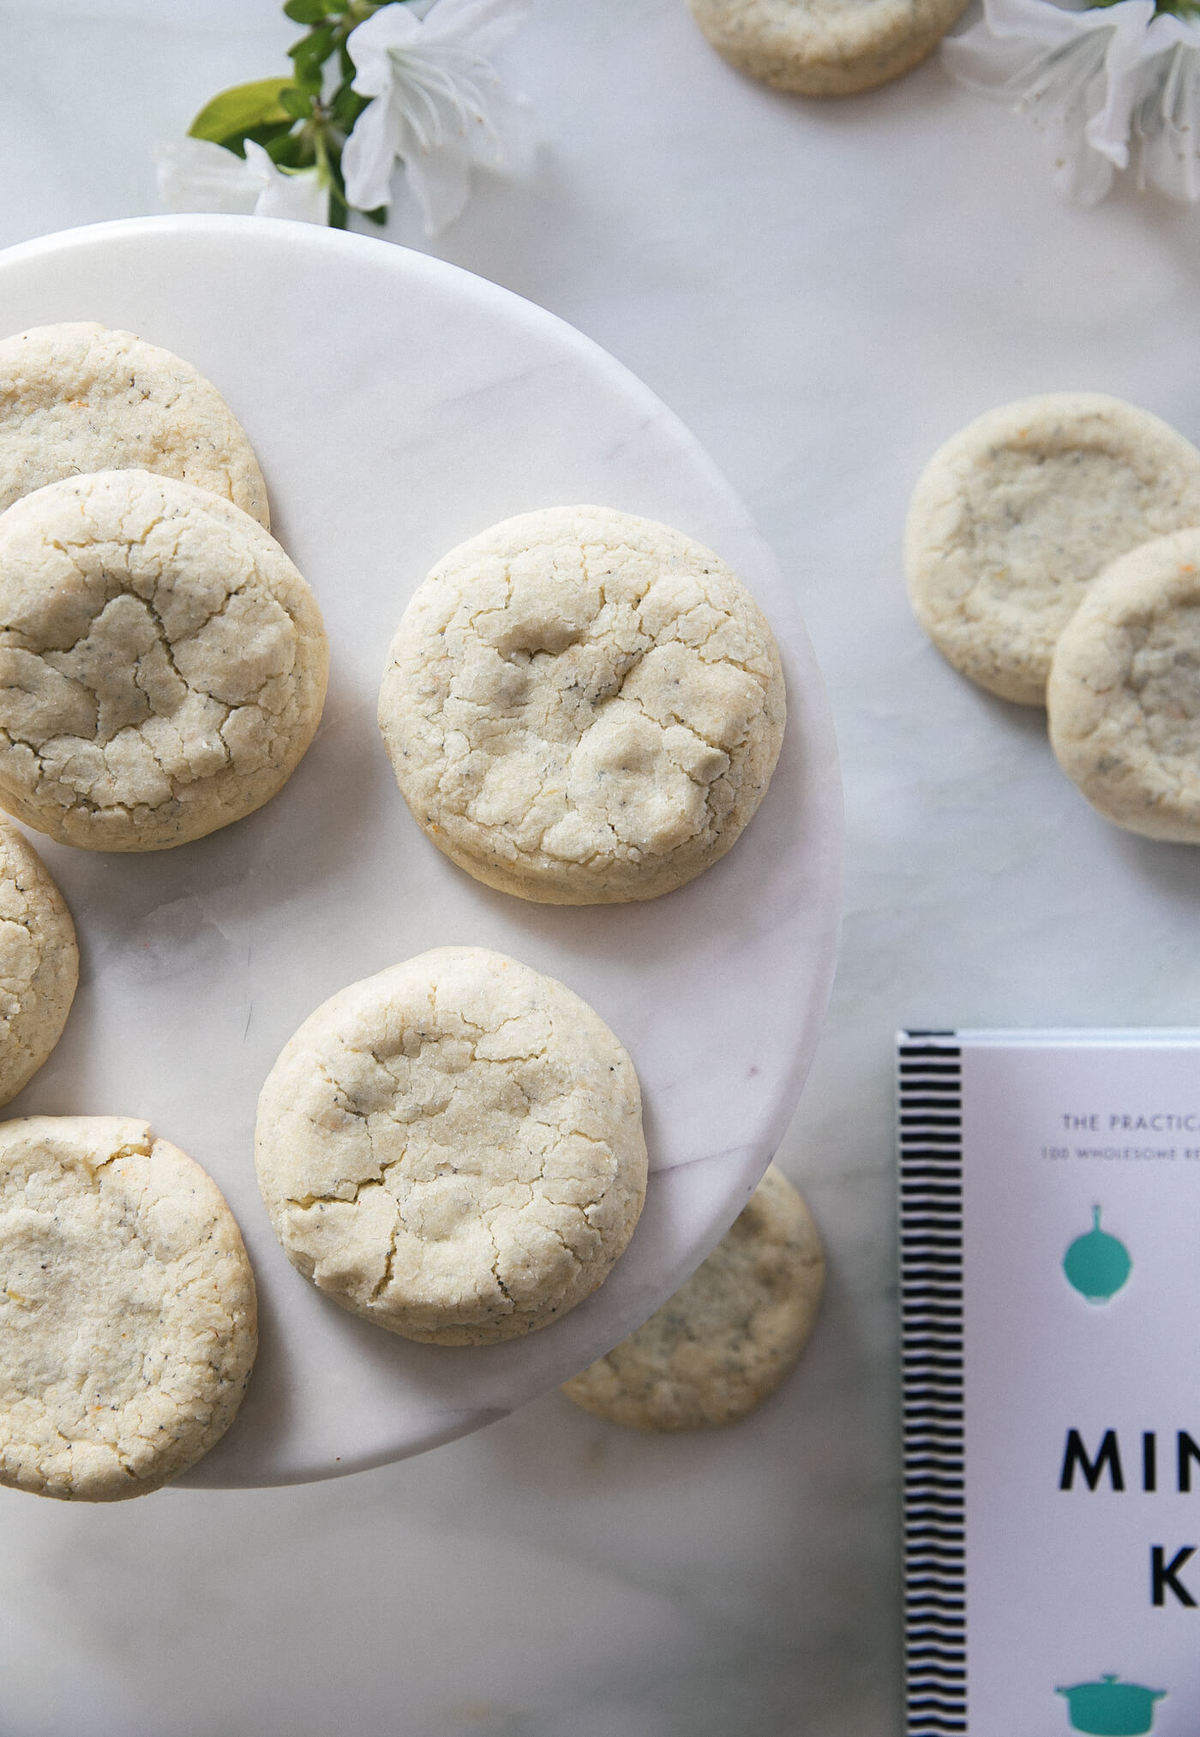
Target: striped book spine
{"x":931,"y":1305}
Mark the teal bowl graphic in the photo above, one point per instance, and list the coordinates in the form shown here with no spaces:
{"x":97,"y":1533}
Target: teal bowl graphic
{"x":1097,"y":1265}
{"x":1111,"y":1709}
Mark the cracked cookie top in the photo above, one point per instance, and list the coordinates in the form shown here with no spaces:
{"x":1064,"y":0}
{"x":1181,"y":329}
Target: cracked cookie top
{"x":127,"y":1309}
{"x":582,"y":706}
{"x":79,"y":397}
{"x":162,"y":662}
{"x":1123,"y":701}
{"x":1014,"y":516}
{"x":453,"y":1148}
{"x":39,"y":962}
{"x":731,"y":1333}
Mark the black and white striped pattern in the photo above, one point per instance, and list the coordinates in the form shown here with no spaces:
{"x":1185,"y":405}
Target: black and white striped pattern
{"x":931,"y":1299}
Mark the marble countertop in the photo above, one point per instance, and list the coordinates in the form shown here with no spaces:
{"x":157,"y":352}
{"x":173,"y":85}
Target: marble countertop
{"x":822,"y":292}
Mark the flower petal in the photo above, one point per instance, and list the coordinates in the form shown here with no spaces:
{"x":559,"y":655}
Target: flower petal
{"x":484,"y":23}
{"x":1077,"y":73}
{"x":299,"y":194}
{"x":440,"y":181}
{"x":196,"y":175}
{"x":1166,"y":123}
{"x":437,"y":103}
{"x":369,"y":156}
{"x":1125,"y":65}
{"x":506,"y":142}
{"x":1012,"y":42}
{"x":368,"y":46}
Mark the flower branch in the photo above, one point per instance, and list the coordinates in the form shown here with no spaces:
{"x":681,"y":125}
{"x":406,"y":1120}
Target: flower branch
{"x":373,"y":83}
{"x":1114,"y":86}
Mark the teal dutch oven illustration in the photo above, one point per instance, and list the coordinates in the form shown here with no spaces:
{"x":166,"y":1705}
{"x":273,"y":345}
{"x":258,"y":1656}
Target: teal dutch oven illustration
{"x":1111,"y":1709}
{"x":1097,"y":1264}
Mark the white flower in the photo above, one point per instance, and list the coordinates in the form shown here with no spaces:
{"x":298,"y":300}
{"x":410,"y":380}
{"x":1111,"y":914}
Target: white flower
{"x":438,"y":104}
{"x":1166,"y":116}
{"x":196,"y":175}
{"x":1098,"y":80}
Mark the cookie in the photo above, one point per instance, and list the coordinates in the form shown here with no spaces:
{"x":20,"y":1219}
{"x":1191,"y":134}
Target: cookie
{"x":582,"y":707}
{"x":1014,"y":517}
{"x":825,"y":47}
{"x":79,"y":397}
{"x":39,"y":962}
{"x":127,"y":1309}
{"x":730,"y":1334}
{"x":162,"y":663}
{"x":453,"y":1148}
{"x":1123,"y":701}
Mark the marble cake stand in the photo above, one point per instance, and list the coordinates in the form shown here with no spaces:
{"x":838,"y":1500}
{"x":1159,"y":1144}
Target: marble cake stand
{"x":398,"y":405}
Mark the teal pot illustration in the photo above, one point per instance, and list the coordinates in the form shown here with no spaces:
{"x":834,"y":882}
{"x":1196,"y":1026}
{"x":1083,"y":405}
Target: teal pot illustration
{"x":1097,"y":1265}
{"x":1111,"y":1709}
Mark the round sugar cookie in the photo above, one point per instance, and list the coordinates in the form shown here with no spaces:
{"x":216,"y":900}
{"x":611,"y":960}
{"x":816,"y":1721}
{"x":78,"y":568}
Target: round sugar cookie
{"x":1123,"y":700}
{"x":162,"y":662}
{"x":79,"y":397}
{"x":825,"y":47}
{"x":582,"y":706}
{"x":453,"y":1148}
{"x":39,"y":962}
{"x":1015,"y":515}
{"x":731,"y":1333}
{"x":127,"y":1309}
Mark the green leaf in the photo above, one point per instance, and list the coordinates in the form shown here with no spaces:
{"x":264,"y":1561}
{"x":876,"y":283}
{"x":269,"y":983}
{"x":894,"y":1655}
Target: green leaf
{"x":313,"y":50}
{"x":266,"y":136}
{"x":346,"y":107}
{"x":234,"y":112}
{"x":291,"y":151}
{"x":312,"y":11}
{"x":298,"y":104}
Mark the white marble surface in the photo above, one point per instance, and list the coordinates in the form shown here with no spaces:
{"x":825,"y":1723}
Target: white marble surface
{"x":431,"y":404}
{"x":821,"y":292}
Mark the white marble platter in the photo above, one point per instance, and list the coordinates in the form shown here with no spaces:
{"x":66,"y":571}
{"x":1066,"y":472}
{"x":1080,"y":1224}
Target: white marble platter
{"x":398,"y":405}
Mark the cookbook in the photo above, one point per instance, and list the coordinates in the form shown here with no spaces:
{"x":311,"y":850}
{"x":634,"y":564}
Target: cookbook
{"x":1050,"y":1300}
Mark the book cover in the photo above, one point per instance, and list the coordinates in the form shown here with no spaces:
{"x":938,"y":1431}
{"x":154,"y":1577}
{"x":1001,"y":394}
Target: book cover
{"x":1050,"y":1296}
